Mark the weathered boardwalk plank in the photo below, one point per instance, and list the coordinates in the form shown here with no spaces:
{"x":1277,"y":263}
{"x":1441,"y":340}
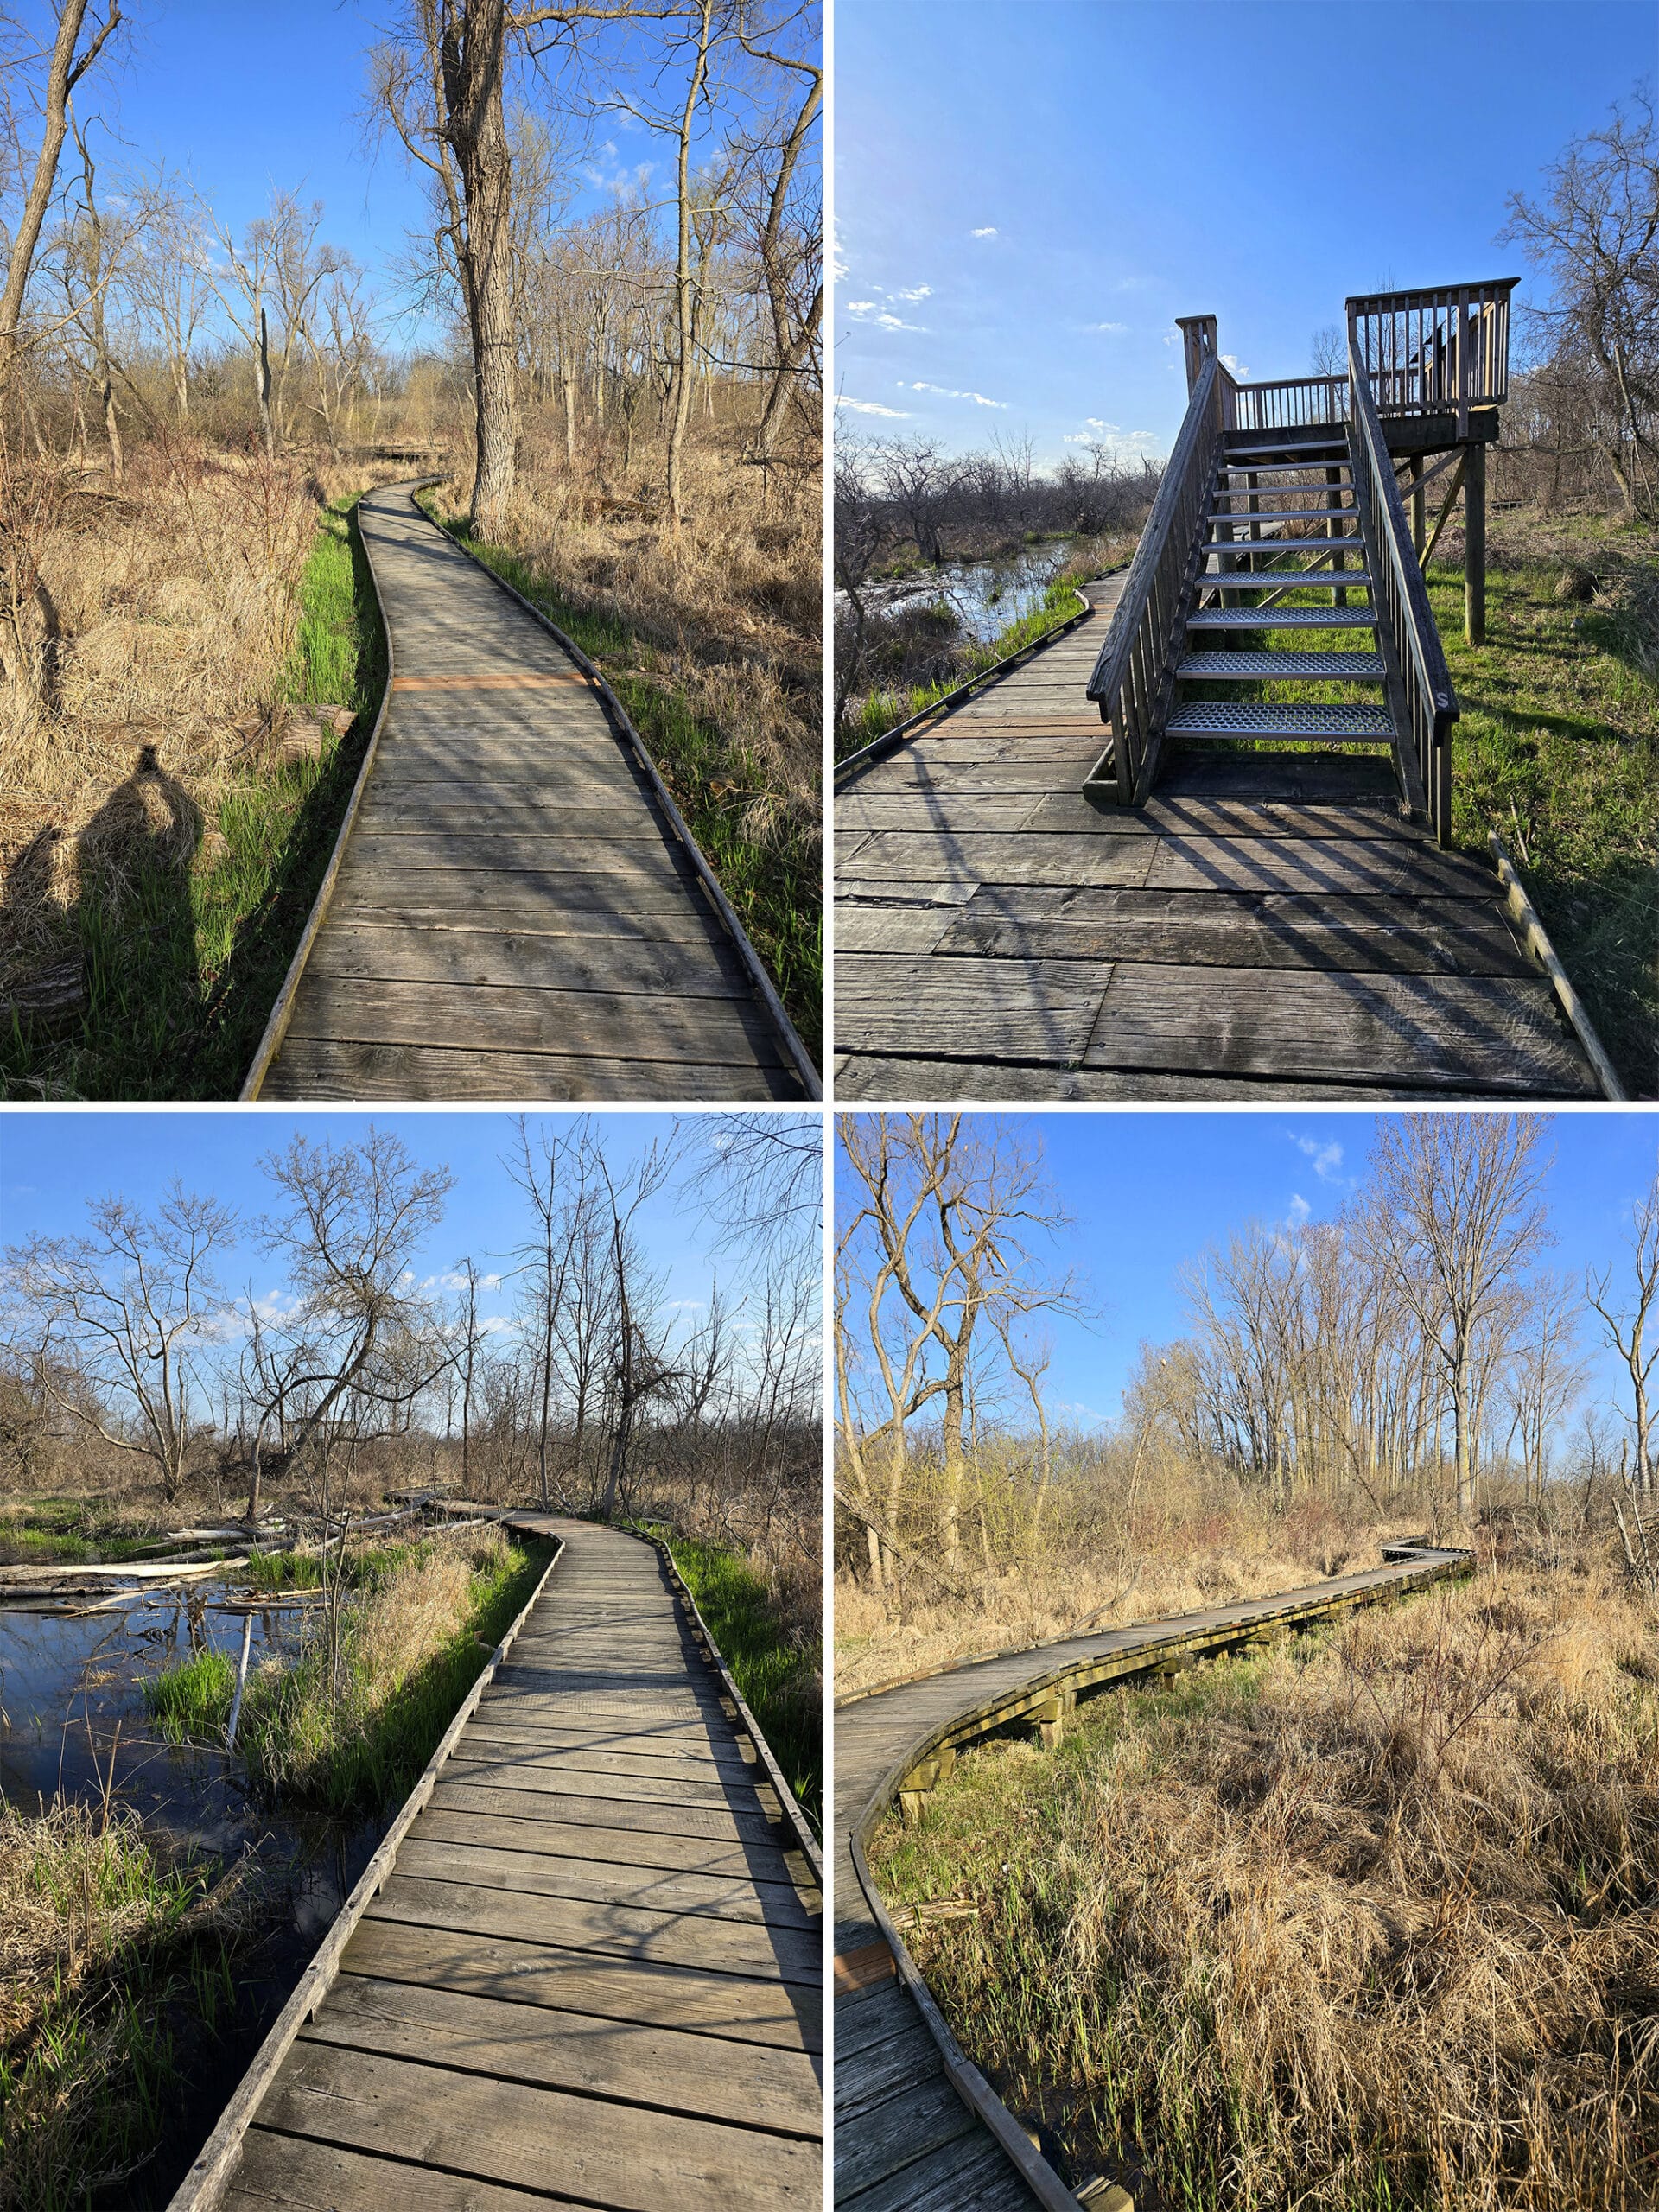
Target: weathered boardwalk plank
{"x":514,"y":915}
{"x":1263,"y":927}
{"x":593,"y":1975}
{"x":905,"y":2138}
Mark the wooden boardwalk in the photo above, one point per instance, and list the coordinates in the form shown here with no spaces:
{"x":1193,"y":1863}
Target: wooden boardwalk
{"x":1263,"y":927}
{"x":594,"y":1975}
{"x":906,"y":2139}
{"x":514,"y":916}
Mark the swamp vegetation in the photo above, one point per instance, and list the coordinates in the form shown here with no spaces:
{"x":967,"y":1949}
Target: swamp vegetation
{"x":1365,"y":1922}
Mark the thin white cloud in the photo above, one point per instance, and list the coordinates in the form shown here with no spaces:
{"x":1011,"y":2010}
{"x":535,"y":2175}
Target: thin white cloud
{"x":869,"y":407}
{"x":1117,"y":329}
{"x":1231,"y":361}
{"x":989,"y":232}
{"x":944,"y":391}
{"x":916,"y":292}
{"x":861,"y":307}
{"x":1299,"y":1210}
{"x":896,"y":322}
{"x":1326,"y":1155}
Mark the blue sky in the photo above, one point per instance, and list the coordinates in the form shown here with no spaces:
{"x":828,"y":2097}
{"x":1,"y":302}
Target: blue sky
{"x":54,"y":1162}
{"x":1148,"y":1191}
{"x":1026,"y":195}
{"x":245,"y":95}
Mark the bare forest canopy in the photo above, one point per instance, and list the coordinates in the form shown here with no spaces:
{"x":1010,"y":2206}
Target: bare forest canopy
{"x":130,"y":308}
{"x":1414,"y":1354}
{"x":560,"y":1372}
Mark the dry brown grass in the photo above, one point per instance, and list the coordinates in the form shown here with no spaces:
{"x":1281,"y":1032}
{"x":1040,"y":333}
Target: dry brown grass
{"x":1177,"y":1556}
{"x":166,"y":615}
{"x":1372,"y":1926}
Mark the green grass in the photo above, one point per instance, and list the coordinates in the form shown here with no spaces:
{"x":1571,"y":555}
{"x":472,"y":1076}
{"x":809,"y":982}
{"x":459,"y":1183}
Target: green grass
{"x":191,"y":1703}
{"x":182,"y":975}
{"x":776,"y":888}
{"x":779,"y":1676}
{"x":366,"y":1754}
{"x":93,"y":2078}
{"x":67,"y":1532}
{"x":1557,"y":748}
{"x":880,"y":711}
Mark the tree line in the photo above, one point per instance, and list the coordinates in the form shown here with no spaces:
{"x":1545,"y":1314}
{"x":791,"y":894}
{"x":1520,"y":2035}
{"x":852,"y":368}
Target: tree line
{"x":1414,"y":1349}
{"x":126,"y":1358}
{"x":126,"y":297}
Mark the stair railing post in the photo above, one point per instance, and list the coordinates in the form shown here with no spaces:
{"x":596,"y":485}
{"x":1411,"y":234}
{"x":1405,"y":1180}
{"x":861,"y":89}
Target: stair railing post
{"x":1474,"y":544}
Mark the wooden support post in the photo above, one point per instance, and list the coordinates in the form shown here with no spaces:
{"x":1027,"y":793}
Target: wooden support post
{"x":1419,"y":511}
{"x":1334,"y":529}
{"x":1474,"y":546}
{"x":1048,"y":1722}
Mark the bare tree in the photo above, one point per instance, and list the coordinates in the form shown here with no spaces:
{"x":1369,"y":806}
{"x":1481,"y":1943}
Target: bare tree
{"x":941,"y":1231}
{"x":1626,"y":1322}
{"x":1595,"y":236}
{"x":172,"y":278}
{"x":122,"y":1310}
{"x":70,"y":59}
{"x":1459,"y":1217}
{"x":347,"y":1222}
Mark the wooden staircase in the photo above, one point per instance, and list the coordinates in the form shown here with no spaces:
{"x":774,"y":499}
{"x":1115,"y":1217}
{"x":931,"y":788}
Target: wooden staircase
{"x":1281,"y":520}
{"x":1277,"y":491}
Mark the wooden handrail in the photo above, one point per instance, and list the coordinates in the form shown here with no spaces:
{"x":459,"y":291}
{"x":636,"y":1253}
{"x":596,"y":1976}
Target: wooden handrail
{"x":1133,"y":676}
{"x":1419,"y":682}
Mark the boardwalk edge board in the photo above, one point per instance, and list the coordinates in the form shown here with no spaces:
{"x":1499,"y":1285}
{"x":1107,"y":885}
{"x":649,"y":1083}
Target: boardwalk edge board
{"x":796,"y":1053}
{"x":878,"y":748}
{"x":1536,"y":939}
{"x":202,"y":2187}
{"x":1417,"y":1564}
{"x":276,"y":1029}
{"x":787,"y":1796}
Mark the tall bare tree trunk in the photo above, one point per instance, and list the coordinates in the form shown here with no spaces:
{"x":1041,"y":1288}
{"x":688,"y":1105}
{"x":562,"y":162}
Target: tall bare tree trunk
{"x":685,"y":289}
{"x":473,"y":54}
{"x":262,"y":385}
{"x":65,"y":73}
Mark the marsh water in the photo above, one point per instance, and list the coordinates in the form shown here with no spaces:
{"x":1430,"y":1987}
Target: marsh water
{"x":986,"y":596}
{"x":73,"y":1722}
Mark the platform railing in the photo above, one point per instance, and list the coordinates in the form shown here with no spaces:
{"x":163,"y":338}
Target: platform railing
{"x":1133,"y":678}
{"x":1420,"y":697}
{"x":1292,"y":403}
{"x":1440,"y":350}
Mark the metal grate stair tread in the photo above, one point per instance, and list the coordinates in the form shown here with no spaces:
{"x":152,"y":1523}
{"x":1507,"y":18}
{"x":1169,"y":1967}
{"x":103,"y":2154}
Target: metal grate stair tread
{"x":1255,"y":668}
{"x":1222,"y":718}
{"x":1279,"y":514}
{"x":1283,"y":579}
{"x":1240,"y":545}
{"x":1282,"y":617}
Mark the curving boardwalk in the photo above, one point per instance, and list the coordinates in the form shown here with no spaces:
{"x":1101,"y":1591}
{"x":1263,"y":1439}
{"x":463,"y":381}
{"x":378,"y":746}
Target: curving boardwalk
{"x":593,"y":1975}
{"x":907,"y":2137}
{"x":1263,"y":927}
{"x":514,"y":914}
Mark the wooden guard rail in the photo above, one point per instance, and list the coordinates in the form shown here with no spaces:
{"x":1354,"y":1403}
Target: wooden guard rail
{"x":1043,"y":1702}
{"x":1133,"y":678}
{"x":1419,"y":684}
{"x":1440,"y":350}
